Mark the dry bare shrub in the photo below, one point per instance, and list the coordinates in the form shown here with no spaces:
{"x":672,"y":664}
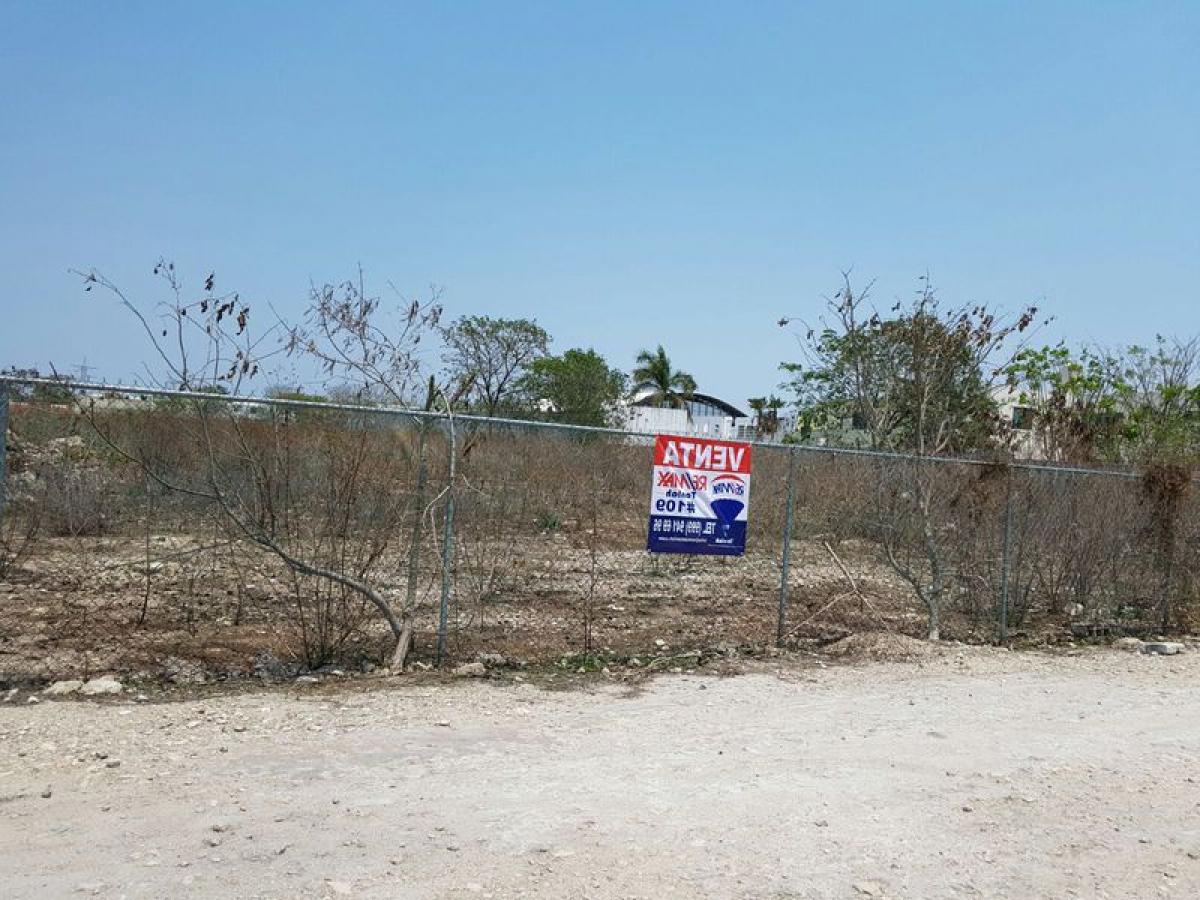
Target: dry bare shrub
{"x":319,"y":494}
{"x":75,"y":502}
{"x":336,"y":498}
{"x":834,"y":496}
{"x":1188,"y":581}
{"x":768,"y":495}
{"x":18,"y":531}
{"x":1165,"y":489}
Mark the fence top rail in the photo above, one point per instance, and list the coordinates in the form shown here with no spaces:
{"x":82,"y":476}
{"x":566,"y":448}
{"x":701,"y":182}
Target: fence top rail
{"x":438,"y":416}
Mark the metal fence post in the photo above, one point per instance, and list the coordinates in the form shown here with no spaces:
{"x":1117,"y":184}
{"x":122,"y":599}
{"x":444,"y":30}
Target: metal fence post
{"x":3,"y":448}
{"x":787,"y":548}
{"x":1006,"y":561}
{"x":447,"y":556}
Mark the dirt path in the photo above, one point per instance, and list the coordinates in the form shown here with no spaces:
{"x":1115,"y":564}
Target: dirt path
{"x":976,"y":774}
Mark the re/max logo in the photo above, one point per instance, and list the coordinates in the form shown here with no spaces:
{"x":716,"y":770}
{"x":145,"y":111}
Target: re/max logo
{"x":682,"y":481}
{"x":730,"y":487}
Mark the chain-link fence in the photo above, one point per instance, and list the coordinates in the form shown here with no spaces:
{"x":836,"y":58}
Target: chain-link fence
{"x":147,"y":529}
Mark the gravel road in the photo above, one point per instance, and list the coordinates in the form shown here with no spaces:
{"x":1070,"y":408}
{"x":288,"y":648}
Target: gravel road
{"x":976,"y":773}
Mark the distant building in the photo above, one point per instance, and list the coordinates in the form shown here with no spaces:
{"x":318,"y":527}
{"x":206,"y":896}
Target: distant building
{"x":702,"y":415}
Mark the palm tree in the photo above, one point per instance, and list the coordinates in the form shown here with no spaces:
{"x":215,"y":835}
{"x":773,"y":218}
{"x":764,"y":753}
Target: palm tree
{"x":766,"y":415}
{"x":667,"y":387}
{"x":757,"y":405}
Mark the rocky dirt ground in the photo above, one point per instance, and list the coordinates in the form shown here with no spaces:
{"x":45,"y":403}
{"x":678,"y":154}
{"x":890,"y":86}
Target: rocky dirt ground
{"x":77,"y":607}
{"x":957,"y":772}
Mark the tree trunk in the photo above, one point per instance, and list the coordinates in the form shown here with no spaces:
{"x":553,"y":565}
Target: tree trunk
{"x":403,"y":646}
{"x":935,"y":625}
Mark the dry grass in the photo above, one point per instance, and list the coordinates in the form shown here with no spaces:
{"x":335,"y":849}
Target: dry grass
{"x":548,"y":556}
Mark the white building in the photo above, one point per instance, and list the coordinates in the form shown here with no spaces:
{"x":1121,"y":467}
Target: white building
{"x":702,"y":415}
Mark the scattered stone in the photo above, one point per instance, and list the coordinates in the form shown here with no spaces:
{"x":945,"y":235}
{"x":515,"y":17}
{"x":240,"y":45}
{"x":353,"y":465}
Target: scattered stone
{"x":266,"y":665}
{"x":869,"y":888}
{"x":492,"y":660}
{"x":1128,"y":644}
{"x":32,"y":699}
{"x":1162,"y":648}
{"x":442,"y":723}
{"x":307,"y":679}
{"x":9,"y":695}
{"x":47,"y":794}
{"x":62,"y":688}
{"x":102,"y":686}
{"x":183,"y":671}
{"x":113,"y":764}
{"x":471,"y":670}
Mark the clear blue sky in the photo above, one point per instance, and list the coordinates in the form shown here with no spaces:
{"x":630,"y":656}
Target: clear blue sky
{"x":625,"y":173}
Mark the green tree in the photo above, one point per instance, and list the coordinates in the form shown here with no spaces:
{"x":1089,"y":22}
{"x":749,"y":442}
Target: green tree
{"x":576,"y":387}
{"x":667,"y":386}
{"x":1138,"y":406}
{"x":766,"y":414}
{"x":1072,"y":401}
{"x":919,"y":380}
{"x":1159,"y":390}
{"x":490,"y":356}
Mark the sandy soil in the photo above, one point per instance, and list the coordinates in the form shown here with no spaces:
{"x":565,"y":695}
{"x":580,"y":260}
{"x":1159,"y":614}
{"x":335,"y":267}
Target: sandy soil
{"x":969,"y":773}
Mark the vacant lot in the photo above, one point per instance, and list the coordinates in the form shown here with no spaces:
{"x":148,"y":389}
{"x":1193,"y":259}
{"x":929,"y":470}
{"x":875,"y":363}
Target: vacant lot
{"x":968,"y":773}
{"x":137,"y":569}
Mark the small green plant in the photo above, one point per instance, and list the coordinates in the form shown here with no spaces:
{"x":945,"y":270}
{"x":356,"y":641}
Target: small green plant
{"x":549,"y":521}
{"x":588,"y":661}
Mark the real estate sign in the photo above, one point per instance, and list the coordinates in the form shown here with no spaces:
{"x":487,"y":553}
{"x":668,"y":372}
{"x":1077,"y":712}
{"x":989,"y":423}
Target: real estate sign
{"x":701,"y":496}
